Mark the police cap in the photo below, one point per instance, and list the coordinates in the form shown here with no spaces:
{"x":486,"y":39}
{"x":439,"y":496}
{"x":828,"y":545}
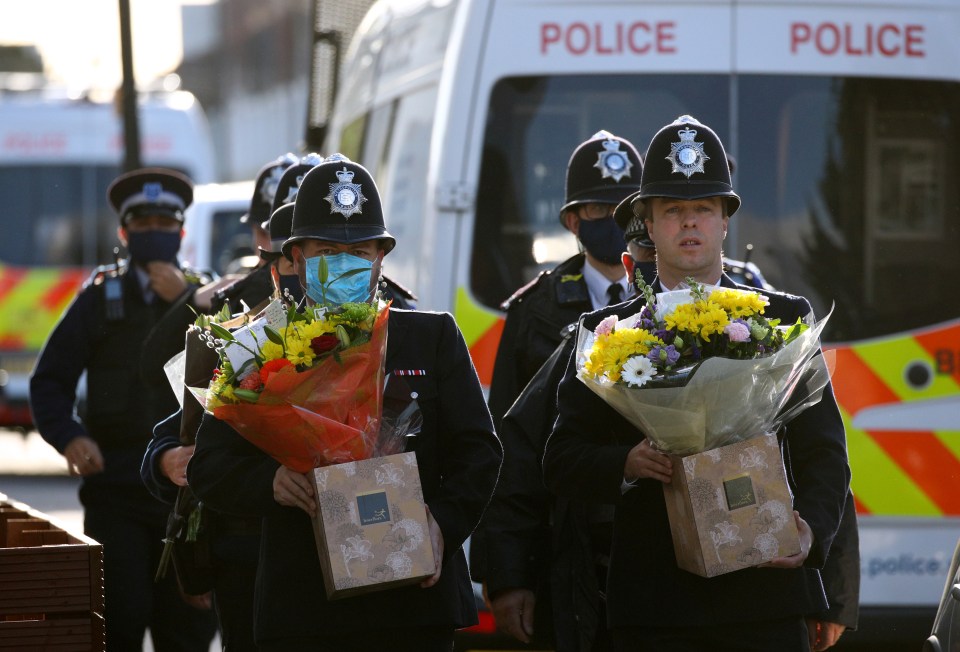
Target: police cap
{"x":281,"y":217}
{"x":265,"y":187}
{"x":338,"y":201}
{"x":686,"y":160}
{"x":150,"y":191}
{"x":603,"y":169}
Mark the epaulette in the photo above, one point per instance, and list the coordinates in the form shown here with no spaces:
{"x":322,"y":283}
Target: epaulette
{"x":98,"y":275}
{"x":524,"y":291}
{"x":400,"y":290}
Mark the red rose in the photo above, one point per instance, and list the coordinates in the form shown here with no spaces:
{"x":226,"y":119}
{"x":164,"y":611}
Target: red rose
{"x":272,"y":366}
{"x":324,"y":343}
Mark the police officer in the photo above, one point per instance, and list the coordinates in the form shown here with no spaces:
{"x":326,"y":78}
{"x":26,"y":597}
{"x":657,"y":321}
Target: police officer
{"x":279,"y":226}
{"x":102,"y":333}
{"x":601,"y":172}
{"x":511,"y":550}
{"x":594,"y":454}
{"x":338,"y":214}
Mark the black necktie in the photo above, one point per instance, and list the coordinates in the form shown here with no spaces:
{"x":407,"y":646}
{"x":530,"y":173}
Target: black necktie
{"x":615,"y":291}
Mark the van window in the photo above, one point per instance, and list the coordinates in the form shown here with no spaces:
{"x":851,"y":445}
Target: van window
{"x":849,"y":196}
{"x":533,"y":126}
{"x":847,"y":183}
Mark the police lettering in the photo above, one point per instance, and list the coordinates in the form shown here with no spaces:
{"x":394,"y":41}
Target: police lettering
{"x":639,"y":37}
{"x":869,"y":40}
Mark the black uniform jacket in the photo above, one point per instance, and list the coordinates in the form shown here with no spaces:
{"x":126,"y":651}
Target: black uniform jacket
{"x":536,"y":316}
{"x":123,"y":404}
{"x":459,"y":458}
{"x":645,"y":586}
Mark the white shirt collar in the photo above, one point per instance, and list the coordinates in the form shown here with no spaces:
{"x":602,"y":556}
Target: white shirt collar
{"x":597,"y":285}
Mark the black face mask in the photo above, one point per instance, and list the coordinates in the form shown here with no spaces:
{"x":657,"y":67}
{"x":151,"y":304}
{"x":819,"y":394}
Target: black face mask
{"x":602,"y":239}
{"x":149,"y":246}
{"x":646,"y":269}
{"x":290,"y":284}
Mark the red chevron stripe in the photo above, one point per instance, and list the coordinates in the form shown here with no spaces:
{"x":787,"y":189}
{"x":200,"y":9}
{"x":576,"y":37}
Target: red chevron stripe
{"x":856,"y":386}
{"x":63,"y":290}
{"x":930,"y":464}
{"x":9,"y":278}
{"x":861,"y":508}
{"x":9,"y":342}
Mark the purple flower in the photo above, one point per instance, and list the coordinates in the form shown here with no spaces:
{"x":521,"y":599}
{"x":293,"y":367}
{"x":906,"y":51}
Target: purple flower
{"x":737,"y":331}
{"x":664,"y":356}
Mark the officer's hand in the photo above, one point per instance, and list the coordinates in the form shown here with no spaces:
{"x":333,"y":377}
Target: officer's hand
{"x":806,"y":541}
{"x":166,"y":280}
{"x":436,"y":540}
{"x":83,"y":456}
{"x":645,"y":462}
{"x":513,"y":611}
{"x":173,"y":463}
{"x":293,"y":489}
{"x":823,"y":634}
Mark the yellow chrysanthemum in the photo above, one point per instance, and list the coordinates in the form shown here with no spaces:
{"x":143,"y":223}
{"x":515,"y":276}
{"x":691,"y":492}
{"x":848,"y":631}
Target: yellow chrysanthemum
{"x":712,"y":321}
{"x":271,"y":351}
{"x":299,"y":351}
{"x":308,"y":331}
{"x":684,"y":318}
{"x":738,"y":303}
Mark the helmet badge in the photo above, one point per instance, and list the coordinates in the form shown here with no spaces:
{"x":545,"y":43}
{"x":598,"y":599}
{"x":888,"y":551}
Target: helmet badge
{"x":612,"y":161}
{"x":152,"y":190}
{"x":345,"y":196}
{"x":687,"y":156}
{"x":293,"y":190}
{"x":269,"y":188}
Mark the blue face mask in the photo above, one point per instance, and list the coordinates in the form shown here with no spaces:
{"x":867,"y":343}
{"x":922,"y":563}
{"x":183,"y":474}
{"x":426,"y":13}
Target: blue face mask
{"x":339,"y":290}
{"x":149,"y":246}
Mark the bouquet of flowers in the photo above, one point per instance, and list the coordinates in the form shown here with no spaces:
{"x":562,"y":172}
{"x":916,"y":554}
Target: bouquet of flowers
{"x":306,"y":388}
{"x":702,"y":368}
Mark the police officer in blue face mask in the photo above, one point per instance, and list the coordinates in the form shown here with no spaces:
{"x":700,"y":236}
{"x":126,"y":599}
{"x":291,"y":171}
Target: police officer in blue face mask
{"x":102,"y":333}
{"x":338,"y":215}
{"x":602,"y":171}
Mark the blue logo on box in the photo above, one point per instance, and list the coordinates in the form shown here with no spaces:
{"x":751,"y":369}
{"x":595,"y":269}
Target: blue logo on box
{"x":373,"y":508}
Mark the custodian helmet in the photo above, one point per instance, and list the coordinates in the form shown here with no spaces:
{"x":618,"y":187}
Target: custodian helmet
{"x":603,"y":169}
{"x":686,"y":160}
{"x":265,"y":187}
{"x":338,"y":201}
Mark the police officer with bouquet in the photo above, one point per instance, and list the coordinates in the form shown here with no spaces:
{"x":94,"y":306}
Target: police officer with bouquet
{"x":687,"y":199}
{"x":102,"y":332}
{"x":338,"y":215}
{"x":231,"y":542}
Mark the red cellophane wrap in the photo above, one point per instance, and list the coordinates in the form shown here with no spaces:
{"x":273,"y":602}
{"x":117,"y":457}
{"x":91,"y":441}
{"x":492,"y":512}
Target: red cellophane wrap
{"x":328,"y":414}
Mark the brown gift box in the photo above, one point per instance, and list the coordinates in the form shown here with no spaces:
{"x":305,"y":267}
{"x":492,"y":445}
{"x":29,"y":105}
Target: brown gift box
{"x":371,"y":527}
{"x":731,"y":508}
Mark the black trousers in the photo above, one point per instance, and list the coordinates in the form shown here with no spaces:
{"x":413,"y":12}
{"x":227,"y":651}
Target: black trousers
{"x":235,"y":558}
{"x":401,"y":639}
{"x":130,"y":523}
{"x":786,"y":635}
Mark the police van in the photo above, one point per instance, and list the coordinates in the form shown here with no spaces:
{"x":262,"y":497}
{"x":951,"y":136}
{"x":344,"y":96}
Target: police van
{"x":59,"y":151}
{"x":842,"y":117}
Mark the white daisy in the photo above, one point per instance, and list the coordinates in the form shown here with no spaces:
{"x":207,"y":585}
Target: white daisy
{"x":637,"y":371}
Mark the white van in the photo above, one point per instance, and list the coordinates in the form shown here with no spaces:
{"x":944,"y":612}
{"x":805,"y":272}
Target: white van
{"x":214,"y":236}
{"x":58,"y":155}
{"x":842,"y":117}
